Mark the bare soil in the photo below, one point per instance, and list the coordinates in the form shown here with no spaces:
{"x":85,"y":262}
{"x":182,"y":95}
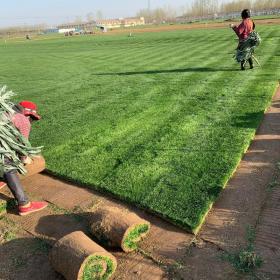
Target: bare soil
{"x":250,"y":199}
{"x":189,"y":26}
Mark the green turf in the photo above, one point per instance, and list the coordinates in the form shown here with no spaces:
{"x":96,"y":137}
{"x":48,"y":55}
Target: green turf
{"x":160,"y":119}
{"x":134,"y":236}
{"x":94,"y":268}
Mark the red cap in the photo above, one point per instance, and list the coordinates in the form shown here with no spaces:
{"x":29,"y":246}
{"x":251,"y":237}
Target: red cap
{"x":30,"y":109}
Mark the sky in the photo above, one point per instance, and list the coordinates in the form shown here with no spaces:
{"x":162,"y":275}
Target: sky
{"x":28,"y":12}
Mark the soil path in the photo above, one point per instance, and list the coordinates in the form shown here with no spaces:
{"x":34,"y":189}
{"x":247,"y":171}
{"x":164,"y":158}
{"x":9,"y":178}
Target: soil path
{"x":189,"y":26}
{"x":250,"y":199}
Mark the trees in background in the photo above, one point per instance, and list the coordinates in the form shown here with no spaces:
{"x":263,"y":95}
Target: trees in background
{"x":202,"y":8}
{"x":266,"y":4}
{"x":167,"y":13}
{"x":23,"y":30}
{"x":208,"y":7}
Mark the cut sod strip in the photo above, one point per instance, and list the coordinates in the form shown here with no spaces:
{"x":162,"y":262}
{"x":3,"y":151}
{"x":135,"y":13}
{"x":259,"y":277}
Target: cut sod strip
{"x":77,"y":257}
{"x":119,"y":228}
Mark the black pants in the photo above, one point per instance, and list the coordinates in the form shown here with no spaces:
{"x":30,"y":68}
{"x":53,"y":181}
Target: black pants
{"x":243,"y":62}
{"x":15,"y":186}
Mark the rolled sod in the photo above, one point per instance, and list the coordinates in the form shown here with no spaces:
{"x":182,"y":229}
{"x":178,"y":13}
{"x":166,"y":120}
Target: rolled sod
{"x":77,"y":257}
{"x":38,"y":165}
{"x":118,"y":228}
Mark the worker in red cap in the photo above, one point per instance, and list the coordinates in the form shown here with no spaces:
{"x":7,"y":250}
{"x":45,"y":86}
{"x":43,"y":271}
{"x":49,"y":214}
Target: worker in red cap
{"x":243,"y":31}
{"x":25,"y":113}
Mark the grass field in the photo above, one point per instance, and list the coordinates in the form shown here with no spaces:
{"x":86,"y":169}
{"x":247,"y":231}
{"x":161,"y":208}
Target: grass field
{"x":160,"y":120}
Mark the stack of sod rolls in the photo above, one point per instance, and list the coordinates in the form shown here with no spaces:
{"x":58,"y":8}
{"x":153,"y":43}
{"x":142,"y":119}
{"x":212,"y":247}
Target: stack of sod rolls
{"x":118,"y":227}
{"x":13,"y":145}
{"x":77,"y":257}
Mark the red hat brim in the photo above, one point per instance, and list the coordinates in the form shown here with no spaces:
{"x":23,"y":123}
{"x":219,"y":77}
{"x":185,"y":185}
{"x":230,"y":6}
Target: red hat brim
{"x":32,"y":115}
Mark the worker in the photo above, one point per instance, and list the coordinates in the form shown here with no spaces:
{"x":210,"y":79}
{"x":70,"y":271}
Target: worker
{"x":243,"y":31}
{"x":25,"y":114}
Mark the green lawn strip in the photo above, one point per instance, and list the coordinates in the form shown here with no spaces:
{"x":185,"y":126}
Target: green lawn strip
{"x":124,"y":143}
{"x":252,"y":122}
{"x":204,"y":121}
{"x":165,"y":184}
{"x":164,"y":115}
{"x":126,"y":125}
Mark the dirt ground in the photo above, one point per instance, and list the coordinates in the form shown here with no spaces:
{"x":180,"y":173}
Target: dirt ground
{"x":251,"y":200}
{"x":189,"y":26}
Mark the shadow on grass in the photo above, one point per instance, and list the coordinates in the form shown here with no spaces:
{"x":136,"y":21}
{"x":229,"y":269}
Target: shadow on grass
{"x":248,"y":120}
{"x":167,"y":71}
{"x":254,"y":120}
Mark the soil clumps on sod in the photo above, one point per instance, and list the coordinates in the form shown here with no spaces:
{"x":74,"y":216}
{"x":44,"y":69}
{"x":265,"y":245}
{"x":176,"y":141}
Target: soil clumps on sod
{"x":77,"y":257}
{"x":118,"y":227}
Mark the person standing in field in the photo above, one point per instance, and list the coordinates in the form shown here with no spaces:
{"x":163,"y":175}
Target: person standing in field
{"x":25,"y":114}
{"x":243,"y":31}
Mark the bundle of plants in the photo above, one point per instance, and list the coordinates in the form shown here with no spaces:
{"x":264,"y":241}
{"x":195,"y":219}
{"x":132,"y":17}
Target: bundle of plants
{"x":77,"y":257}
{"x":247,"y":48}
{"x":13,"y":145}
{"x":118,"y":228}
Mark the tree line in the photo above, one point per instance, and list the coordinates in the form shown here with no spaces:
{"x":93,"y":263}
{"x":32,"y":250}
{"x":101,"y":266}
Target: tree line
{"x":206,"y":7}
{"x":210,"y":7}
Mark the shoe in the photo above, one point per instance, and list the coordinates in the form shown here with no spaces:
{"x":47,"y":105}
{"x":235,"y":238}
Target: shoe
{"x":34,"y":207}
{"x":2,"y":185}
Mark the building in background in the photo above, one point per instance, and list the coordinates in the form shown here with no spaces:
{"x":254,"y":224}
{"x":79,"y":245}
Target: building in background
{"x":105,"y":23}
{"x":121,"y":22}
{"x":68,"y":27}
{"x":129,"y":22}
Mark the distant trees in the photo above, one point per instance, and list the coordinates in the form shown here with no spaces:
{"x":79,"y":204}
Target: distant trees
{"x":204,"y":7}
{"x":266,"y":4}
{"x":210,"y":7}
{"x":256,"y":5}
{"x":23,"y":30}
{"x":158,"y":15}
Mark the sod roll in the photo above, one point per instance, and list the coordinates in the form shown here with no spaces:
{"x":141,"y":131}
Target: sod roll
{"x":38,"y":165}
{"x":77,"y":257}
{"x":118,"y":227}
